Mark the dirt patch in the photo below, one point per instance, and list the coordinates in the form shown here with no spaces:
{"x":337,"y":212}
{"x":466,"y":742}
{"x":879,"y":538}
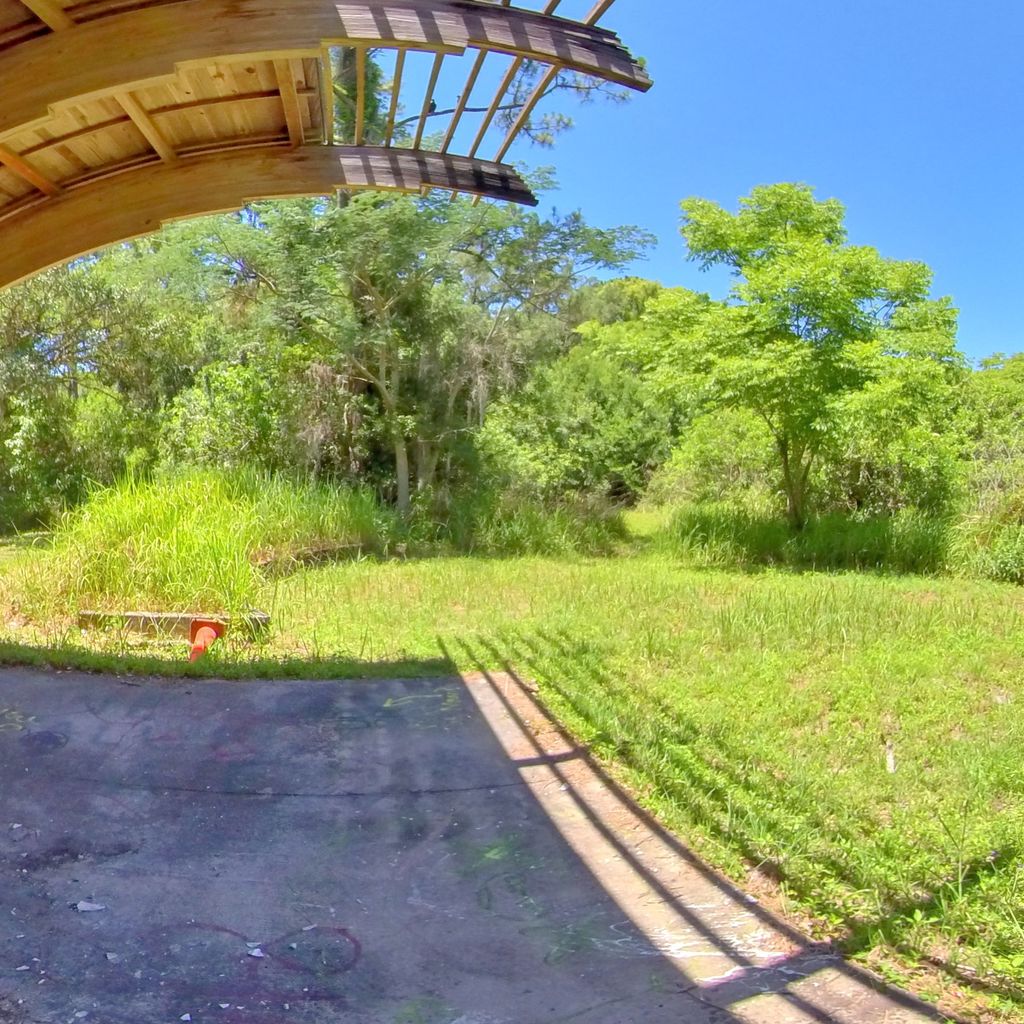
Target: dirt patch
{"x":70,"y":852}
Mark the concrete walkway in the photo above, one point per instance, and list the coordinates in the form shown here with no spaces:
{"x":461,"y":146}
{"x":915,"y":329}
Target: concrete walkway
{"x":398,"y":852}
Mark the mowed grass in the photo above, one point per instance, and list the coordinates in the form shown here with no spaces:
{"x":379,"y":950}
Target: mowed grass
{"x":850,"y":743}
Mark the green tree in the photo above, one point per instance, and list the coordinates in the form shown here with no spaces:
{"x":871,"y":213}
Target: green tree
{"x":429,"y":307}
{"x":810,"y":320}
{"x":900,"y":440}
{"x":725,"y":455}
{"x":583,"y":424}
{"x":996,"y":410}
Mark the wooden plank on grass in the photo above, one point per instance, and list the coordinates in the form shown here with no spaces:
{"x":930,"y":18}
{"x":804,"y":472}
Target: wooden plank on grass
{"x":172,"y":624}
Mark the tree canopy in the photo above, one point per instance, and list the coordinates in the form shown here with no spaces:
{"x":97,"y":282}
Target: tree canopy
{"x":811,"y":322}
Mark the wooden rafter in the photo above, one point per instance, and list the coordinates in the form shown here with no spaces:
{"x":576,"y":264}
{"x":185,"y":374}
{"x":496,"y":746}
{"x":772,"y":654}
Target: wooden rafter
{"x":492,"y":111}
{"x":290,"y":101}
{"x":396,"y":89}
{"x":506,"y":83}
{"x":224,"y":95}
{"x":80,"y":133}
{"x":467,"y":92}
{"x":24,"y":170}
{"x":51,"y":13}
{"x":87,"y":218}
{"x":93,"y":59}
{"x":213,"y":101}
{"x":547,"y":80}
{"x":460,"y":107}
{"x":428,"y":100}
{"x":360,"y":125}
{"x":598,"y":11}
{"x":327,"y":96}
{"x":142,"y":120}
{"x":157,"y":113}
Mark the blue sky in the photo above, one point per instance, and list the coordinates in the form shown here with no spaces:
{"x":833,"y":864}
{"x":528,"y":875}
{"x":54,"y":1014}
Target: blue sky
{"x":910,"y":112}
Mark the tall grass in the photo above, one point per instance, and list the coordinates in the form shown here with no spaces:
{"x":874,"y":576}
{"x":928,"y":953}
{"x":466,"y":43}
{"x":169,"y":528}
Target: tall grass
{"x":852,"y":739}
{"x":726,"y":536}
{"x":989,"y":541}
{"x":200,"y":540}
{"x":196,"y":540}
{"x":486,"y":522}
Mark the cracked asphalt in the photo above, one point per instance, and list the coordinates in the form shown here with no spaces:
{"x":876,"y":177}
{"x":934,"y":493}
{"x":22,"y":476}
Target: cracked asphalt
{"x":361,"y":852}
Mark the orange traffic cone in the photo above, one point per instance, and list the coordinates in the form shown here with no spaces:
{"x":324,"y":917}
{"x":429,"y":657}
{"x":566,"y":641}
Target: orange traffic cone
{"x":203,"y":635}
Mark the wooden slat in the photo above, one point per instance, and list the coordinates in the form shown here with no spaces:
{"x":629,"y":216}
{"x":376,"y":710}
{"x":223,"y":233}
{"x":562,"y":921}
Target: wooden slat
{"x":598,"y":11}
{"x":460,"y":107}
{"x":152,"y":134}
{"x":51,"y":13}
{"x":137,"y":202}
{"x":396,"y":89}
{"x":290,"y":101}
{"x":492,"y":111}
{"x":17,"y":34}
{"x":212,"y":101}
{"x":172,"y":624}
{"x":546,"y":82}
{"x":157,"y":113}
{"x":122,"y":52}
{"x":81,"y":133}
{"x":13,"y":162}
{"x":360,"y":125}
{"x":506,"y":84}
{"x":327,"y":96}
{"x":428,"y":99}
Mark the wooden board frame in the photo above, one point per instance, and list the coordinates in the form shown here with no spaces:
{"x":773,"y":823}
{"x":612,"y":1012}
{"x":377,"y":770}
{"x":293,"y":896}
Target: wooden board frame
{"x":138,"y":202}
{"x":126,"y":51}
{"x":119,"y":115}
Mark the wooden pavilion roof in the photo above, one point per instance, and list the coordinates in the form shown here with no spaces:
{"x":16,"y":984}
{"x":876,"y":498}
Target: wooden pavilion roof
{"x":118,"y":115}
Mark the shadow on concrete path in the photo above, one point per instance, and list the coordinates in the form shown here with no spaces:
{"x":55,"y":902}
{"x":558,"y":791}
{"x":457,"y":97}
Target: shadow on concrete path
{"x":395,"y":852}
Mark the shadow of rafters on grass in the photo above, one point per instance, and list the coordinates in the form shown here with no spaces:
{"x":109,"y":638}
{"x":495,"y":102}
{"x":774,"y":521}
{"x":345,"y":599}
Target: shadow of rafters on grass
{"x":749,"y":808}
{"x":569,"y":681}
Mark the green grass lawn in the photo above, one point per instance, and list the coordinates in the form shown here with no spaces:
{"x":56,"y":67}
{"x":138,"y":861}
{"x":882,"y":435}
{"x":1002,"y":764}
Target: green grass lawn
{"x":759,"y":715}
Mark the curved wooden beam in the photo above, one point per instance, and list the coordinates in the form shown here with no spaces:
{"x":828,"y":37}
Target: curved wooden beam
{"x":124,"y":51}
{"x":135,"y":203}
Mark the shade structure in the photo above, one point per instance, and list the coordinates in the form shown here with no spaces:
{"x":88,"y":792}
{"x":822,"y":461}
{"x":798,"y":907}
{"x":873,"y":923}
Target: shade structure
{"x":116,"y":115}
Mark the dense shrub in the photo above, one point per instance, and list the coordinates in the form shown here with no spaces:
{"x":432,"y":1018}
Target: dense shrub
{"x":585,"y":426}
{"x":39,"y":471}
{"x":112,"y":439}
{"x":286,"y":413}
{"x":722,"y":456}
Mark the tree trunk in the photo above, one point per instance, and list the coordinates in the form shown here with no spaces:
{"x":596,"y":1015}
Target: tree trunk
{"x":426,"y":464}
{"x":794,"y":481}
{"x":402,"y":475}
{"x":795,"y":506}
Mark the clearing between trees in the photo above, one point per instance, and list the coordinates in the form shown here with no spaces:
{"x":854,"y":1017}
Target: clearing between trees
{"x":846,"y":745}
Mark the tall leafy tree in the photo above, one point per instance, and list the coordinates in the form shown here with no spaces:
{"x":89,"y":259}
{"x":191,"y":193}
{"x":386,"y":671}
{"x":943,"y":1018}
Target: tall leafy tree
{"x":808,"y":322}
{"x":427,"y":306}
